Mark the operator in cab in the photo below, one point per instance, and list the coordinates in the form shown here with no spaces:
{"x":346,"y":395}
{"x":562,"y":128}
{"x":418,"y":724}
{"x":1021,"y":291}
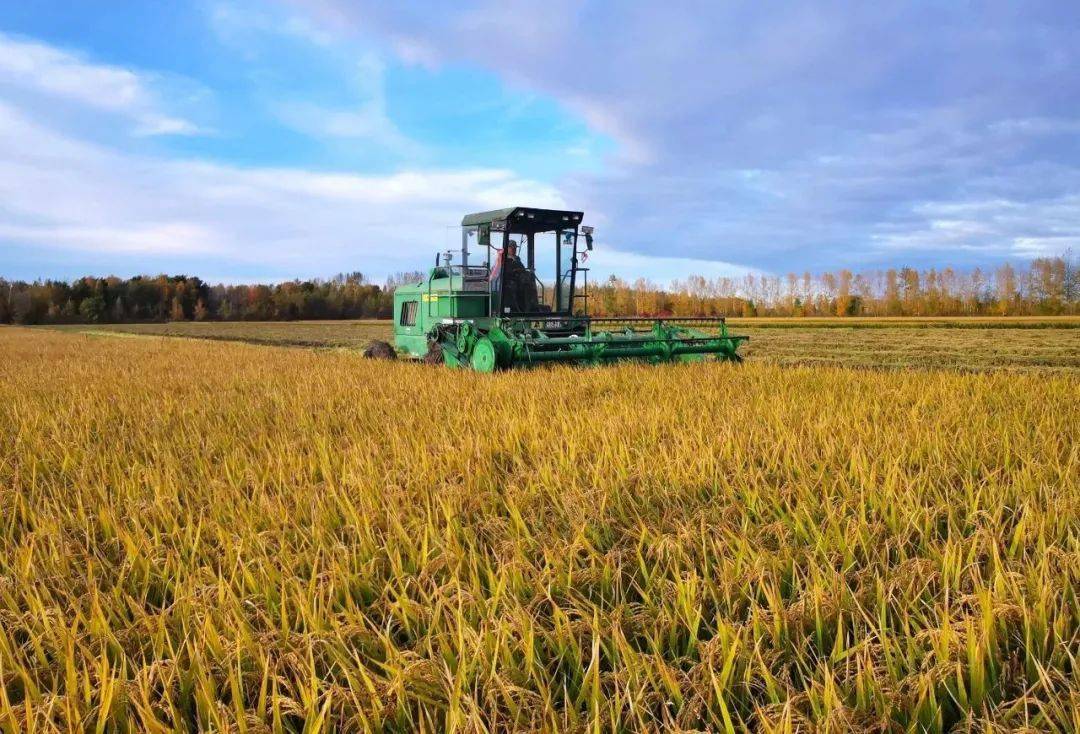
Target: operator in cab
{"x":519,"y":289}
{"x":514,"y":268}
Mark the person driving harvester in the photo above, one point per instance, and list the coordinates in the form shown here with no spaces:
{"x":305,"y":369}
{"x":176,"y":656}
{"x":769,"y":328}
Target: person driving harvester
{"x":519,"y":287}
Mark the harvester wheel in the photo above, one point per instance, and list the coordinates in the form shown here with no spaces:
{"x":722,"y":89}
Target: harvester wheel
{"x":379,"y":350}
{"x":483,"y":355}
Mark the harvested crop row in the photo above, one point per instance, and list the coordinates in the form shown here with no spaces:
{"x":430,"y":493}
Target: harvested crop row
{"x":1019,"y":344}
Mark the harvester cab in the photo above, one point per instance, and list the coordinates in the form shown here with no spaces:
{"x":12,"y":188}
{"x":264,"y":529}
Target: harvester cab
{"x":493,"y":308}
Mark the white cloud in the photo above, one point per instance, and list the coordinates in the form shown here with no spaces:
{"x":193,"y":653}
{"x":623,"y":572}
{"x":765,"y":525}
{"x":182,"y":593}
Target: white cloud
{"x":74,"y":200}
{"x":52,"y":73}
{"x":275,"y":42}
{"x":57,"y":72}
{"x":1036,"y":126}
{"x":67,"y":197}
{"x":159,"y":238}
{"x":1045,"y":246}
{"x":848,"y":119}
{"x":366,"y":119}
{"x":367,"y":122}
{"x":604,"y":262}
{"x":244,"y":25}
{"x":414,"y":52}
{"x":999,"y":227}
{"x":164,"y":125}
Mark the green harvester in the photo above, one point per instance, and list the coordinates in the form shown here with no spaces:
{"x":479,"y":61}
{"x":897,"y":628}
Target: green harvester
{"x":499,"y":314}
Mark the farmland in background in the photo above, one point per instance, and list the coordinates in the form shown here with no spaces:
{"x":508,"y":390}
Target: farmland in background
{"x":1017,"y":343}
{"x":220,"y":536}
{"x":1045,"y":286}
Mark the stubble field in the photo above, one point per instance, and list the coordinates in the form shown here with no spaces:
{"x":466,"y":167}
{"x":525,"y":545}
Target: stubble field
{"x":200,"y":535}
{"x":1037,"y":344}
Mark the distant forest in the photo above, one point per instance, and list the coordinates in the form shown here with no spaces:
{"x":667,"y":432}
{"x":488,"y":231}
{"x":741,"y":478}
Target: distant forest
{"x":1043,"y":287}
{"x":1046,"y":286}
{"x":186,"y":298}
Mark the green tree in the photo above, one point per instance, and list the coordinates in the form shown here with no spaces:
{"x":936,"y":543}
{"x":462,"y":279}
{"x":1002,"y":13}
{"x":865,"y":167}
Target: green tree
{"x":92,"y":308}
{"x":6,"y":292}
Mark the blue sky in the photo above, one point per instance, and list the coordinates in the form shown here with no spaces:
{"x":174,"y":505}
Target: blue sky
{"x":243,"y":140}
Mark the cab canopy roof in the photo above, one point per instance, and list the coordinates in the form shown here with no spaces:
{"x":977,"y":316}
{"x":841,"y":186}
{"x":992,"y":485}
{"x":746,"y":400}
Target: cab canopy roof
{"x":523,"y":219}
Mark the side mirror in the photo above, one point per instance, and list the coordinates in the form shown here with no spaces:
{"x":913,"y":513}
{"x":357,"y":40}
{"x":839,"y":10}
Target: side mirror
{"x":588,"y":242}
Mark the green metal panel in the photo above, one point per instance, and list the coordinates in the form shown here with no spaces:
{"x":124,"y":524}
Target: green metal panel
{"x":441,"y":296}
{"x":494,"y":215}
{"x":409,"y":339}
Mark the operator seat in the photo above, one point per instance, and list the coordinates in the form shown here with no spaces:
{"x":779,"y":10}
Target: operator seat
{"x":525,"y":285}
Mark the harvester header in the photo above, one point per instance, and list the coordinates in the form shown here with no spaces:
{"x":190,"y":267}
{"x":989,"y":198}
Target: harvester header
{"x":491,"y":309}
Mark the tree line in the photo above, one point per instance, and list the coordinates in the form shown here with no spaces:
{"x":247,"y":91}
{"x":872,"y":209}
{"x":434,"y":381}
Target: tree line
{"x":1045,"y":286}
{"x":186,"y":298}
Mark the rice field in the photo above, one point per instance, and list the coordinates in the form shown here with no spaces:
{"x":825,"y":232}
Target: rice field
{"x":209,"y":536}
{"x":1039,"y":344}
